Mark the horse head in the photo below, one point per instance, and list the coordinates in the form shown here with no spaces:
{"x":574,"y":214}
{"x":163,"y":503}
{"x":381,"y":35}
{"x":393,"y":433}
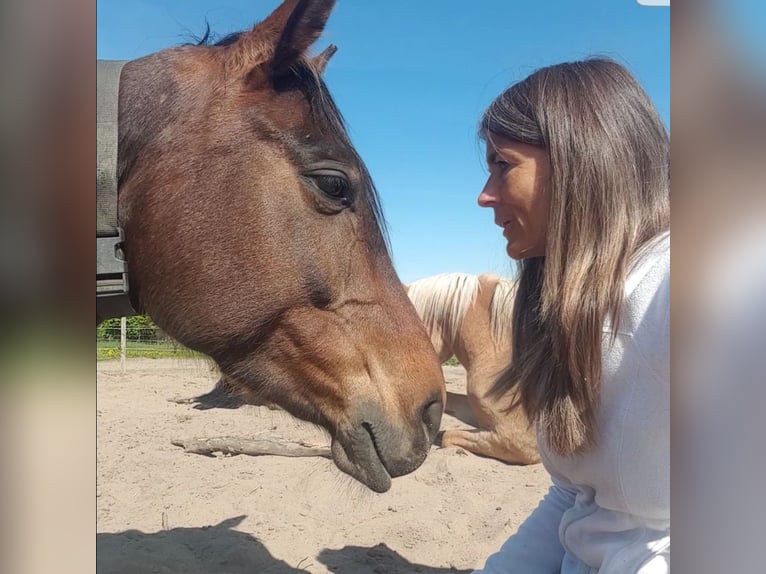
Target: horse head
{"x":253,"y":234}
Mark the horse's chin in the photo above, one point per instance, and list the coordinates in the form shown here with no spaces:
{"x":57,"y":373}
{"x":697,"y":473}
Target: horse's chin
{"x":355,"y":454}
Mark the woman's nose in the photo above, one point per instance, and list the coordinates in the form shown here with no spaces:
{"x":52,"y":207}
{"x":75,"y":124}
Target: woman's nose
{"x":486,"y":197}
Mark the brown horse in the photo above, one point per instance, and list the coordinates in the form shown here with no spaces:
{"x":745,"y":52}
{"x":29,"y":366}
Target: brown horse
{"x":253,"y":234}
{"x":469,"y":316}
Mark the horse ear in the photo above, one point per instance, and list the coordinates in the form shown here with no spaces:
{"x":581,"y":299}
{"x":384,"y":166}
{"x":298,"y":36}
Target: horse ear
{"x":275,"y":43}
{"x":304,"y":25}
{"x":320,"y":60}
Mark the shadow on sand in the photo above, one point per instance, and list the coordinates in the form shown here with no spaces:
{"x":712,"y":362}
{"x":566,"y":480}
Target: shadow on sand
{"x":199,"y":550}
{"x":378,"y":559}
{"x":218,"y":398}
{"x":223,"y":397}
{"x":218,"y":549}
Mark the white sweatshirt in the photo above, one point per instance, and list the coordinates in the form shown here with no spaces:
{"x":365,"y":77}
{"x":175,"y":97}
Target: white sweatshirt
{"x":608,"y":511}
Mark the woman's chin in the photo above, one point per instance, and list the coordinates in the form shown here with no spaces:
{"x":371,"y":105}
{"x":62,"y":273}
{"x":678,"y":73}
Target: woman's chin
{"x":518,"y":252}
{"x":514,"y":252}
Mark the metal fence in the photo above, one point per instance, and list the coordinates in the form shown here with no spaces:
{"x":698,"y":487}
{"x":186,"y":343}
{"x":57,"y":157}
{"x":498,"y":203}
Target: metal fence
{"x":123,"y":342}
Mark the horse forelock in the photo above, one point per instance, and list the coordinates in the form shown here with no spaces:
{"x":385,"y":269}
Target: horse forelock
{"x":442,"y":301}
{"x":501,"y":309}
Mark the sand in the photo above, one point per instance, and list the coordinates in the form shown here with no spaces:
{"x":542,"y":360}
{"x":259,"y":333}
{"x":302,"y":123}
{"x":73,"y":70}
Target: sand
{"x":161,"y":510}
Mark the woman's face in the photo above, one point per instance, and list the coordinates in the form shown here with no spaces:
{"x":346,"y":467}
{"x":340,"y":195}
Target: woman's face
{"x":517,"y":191}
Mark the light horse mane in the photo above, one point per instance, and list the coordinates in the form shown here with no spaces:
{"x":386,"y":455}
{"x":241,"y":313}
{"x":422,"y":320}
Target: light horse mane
{"x":443,"y":300}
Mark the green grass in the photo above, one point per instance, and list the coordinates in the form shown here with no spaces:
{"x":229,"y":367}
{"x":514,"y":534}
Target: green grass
{"x":110,"y":350}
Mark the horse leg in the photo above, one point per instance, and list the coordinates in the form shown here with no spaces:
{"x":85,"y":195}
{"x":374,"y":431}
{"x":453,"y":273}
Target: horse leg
{"x":491,"y":444}
{"x":502,"y":430}
{"x":459,"y":407}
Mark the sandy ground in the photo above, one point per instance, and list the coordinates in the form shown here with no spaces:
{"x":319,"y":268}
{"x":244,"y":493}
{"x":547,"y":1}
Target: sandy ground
{"x":161,"y":510}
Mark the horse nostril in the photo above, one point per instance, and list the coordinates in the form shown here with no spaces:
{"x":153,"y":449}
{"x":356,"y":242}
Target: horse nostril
{"x":432,"y":416}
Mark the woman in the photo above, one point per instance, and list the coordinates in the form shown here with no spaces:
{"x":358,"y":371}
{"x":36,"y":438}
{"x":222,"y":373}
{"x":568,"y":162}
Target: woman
{"x":579,"y":181}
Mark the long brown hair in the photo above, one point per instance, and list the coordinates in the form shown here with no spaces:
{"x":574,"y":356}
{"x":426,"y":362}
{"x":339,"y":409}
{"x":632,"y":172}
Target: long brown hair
{"x":609,"y":188}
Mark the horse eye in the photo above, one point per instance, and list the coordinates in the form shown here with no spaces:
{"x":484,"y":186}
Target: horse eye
{"x":334,"y":186}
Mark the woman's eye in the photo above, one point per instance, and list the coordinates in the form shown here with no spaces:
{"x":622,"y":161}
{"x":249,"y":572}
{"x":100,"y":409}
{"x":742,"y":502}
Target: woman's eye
{"x":498,"y":166}
{"x":334,"y":186}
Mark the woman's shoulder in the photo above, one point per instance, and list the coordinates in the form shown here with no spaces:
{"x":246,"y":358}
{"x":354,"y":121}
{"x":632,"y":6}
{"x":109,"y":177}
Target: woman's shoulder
{"x":650,"y":263}
{"x":646,"y":300}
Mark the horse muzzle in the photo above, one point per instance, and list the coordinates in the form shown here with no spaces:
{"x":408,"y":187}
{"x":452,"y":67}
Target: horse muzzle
{"x":373,"y":450}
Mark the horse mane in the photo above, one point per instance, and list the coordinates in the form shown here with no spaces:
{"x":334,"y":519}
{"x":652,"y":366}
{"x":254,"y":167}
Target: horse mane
{"x":323,"y":104}
{"x":501,"y":308}
{"x":444,"y":300}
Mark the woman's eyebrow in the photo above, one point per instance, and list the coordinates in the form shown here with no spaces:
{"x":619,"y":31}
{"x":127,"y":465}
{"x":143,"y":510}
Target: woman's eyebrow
{"x":508,"y":155}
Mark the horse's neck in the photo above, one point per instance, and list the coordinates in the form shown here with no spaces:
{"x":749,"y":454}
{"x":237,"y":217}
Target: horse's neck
{"x":442,"y":345}
{"x":459,"y":320}
{"x":479,"y":345}
{"x":459,"y":343}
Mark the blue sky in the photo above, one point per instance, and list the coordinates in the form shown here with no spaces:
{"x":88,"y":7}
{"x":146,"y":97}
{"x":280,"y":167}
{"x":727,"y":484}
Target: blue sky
{"x":412,"y":78}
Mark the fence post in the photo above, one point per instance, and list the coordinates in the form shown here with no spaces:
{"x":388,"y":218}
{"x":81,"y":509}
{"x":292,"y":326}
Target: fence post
{"x":123,"y":341}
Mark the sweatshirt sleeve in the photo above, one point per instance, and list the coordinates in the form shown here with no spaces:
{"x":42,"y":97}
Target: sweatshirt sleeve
{"x":535,"y":548}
